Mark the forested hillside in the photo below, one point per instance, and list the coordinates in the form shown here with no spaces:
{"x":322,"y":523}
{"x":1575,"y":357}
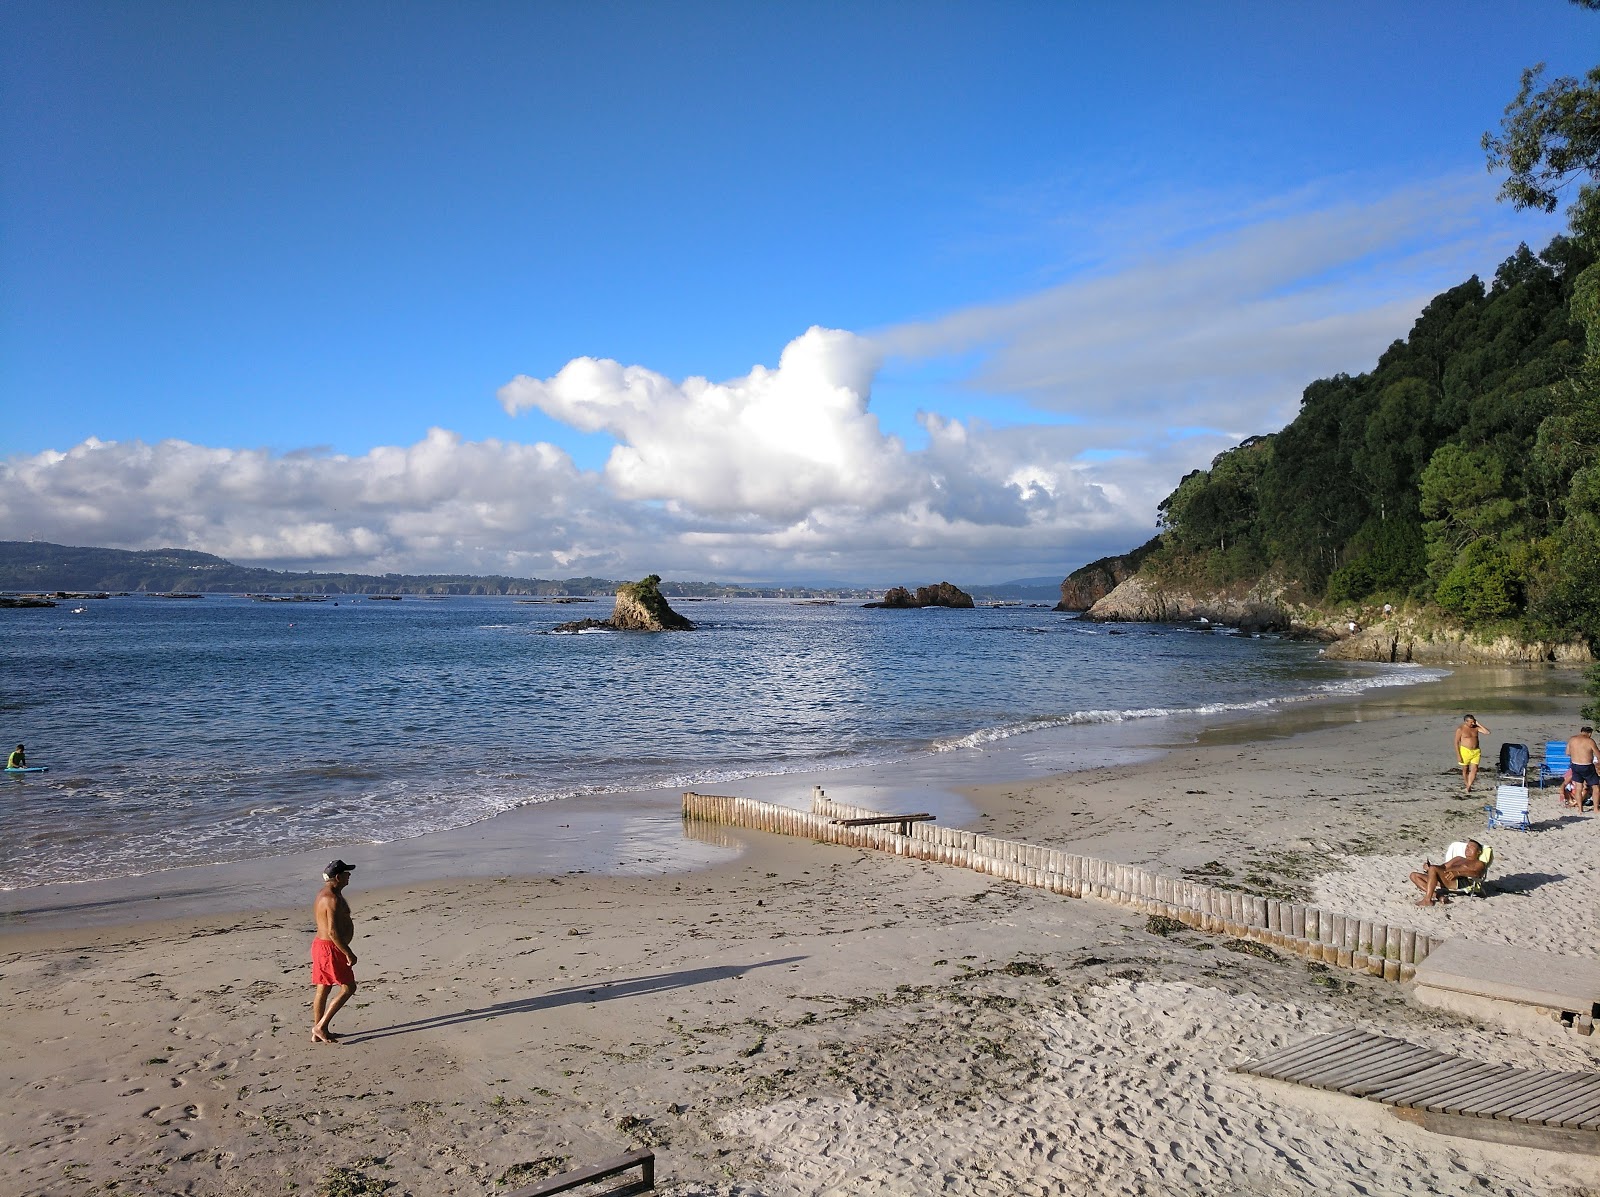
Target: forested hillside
{"x":1461,"y":470}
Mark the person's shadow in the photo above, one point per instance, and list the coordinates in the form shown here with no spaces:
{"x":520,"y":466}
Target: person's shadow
{"x":1561,"y":820}
{"x":603,"y":991}
{"x":1520,"y":883}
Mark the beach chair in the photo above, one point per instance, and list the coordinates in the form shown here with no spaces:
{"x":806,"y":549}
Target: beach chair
{"x":1470,"y":887}
{"x":1555,"y":764}
{"x":1510,"y":808}
{"x":1514,"y":763}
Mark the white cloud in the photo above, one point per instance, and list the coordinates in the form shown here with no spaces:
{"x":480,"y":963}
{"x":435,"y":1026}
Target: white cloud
{"x":442,"y":503}
{"x":1144,"y":371}
{"x":1223,"y":330}
{"x":774,"y":444}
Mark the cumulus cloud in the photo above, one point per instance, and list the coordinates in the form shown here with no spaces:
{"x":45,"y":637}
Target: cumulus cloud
{"x":791,"y":462}
{"x":441,"y":503}
{"x":775,"y":444}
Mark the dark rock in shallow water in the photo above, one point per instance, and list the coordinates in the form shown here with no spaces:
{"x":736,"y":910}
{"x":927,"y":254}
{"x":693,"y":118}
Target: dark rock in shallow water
{"x":640,"y":608}
{"x":585,"y":625}
{"x":942,"y":594}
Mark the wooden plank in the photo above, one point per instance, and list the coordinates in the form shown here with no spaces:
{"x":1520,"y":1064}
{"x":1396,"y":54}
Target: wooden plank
{"x":1418,"y":1090}
{"x":1470,"y":1077}
{"x":1393,"y":1068}
{"x":1304,"y":1049}
{"x":1498,"y":1095}
{"x":1357,"y":1066}
{"x":1584,"y":1117}
{"x":876,"y":820}
{"x":1536,"y":1107}
{"x":1421,"y":1083}
{"x":644,"y":1159}
{"x":1587,"y":1122}
{"x":1298,"y":1069}
{"x":1536,"y":1103}
{"x":1582,"y":1099}
{"x":1463,"y":1077}
{"x":1342,"y":1060}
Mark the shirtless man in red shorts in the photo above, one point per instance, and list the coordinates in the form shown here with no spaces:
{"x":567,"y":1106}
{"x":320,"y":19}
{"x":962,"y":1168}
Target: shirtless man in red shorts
{"x":332,"y":959}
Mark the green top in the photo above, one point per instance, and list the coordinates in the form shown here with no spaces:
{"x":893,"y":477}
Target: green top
{"x":16,"y":760}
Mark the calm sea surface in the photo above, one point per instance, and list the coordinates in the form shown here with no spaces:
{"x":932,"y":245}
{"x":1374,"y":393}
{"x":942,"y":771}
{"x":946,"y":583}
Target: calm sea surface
{"x":183,"y":732}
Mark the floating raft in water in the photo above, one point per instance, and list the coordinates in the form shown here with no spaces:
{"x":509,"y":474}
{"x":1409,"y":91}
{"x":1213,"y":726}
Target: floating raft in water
{"x":1529,"y":1106}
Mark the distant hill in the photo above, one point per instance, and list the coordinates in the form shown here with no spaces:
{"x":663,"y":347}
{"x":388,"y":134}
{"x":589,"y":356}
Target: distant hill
{"x":36,"y":567}
{"x":1037,"y":589}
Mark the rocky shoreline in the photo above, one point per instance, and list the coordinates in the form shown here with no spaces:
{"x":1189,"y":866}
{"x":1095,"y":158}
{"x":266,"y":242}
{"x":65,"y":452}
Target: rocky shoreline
{"x":1357,"y":633}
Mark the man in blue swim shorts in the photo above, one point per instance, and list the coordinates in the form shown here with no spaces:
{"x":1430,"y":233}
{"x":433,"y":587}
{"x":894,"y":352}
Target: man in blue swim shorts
{"x":1582,"y":751}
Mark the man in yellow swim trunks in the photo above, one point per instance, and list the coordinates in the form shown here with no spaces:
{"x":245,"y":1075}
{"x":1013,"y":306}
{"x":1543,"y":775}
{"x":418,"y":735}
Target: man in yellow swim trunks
{"x":1467,"y":750}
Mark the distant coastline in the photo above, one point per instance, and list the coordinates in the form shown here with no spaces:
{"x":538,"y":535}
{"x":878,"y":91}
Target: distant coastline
{"x":37,"y":567}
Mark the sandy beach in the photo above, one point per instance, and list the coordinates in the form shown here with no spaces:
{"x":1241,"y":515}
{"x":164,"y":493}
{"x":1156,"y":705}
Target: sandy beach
{"x":808,"y":1019}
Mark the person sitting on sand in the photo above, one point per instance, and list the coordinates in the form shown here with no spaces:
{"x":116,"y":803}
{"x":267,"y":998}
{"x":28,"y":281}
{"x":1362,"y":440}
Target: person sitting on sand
{"x":1436,"y":881}
{"x":18,"y":759}
{"x":1467,"y":750}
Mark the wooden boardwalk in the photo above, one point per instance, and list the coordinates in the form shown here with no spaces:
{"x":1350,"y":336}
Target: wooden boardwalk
{"x":1530,"y":1106}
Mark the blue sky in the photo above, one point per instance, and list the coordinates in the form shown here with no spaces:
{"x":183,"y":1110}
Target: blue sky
{"x":317,"y":285}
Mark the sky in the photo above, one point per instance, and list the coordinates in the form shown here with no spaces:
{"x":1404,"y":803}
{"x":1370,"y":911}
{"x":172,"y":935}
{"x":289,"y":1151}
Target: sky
{"x":871,"y":293}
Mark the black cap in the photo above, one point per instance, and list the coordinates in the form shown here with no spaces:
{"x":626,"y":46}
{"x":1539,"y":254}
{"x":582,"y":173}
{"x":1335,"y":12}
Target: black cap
{"x":335,"y":867}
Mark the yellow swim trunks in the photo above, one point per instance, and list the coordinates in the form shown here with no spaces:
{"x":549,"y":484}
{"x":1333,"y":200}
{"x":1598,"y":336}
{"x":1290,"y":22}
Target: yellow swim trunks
{"x":1470,"y":756}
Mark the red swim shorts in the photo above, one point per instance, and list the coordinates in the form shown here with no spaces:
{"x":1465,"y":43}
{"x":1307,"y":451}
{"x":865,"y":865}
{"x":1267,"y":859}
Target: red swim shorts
{"x":328,"y":965}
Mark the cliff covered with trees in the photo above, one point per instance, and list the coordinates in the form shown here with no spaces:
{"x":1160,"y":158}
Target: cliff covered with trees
{"x":1460,"y":477}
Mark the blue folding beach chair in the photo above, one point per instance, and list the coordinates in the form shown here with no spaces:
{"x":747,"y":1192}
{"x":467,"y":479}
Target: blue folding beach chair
{"x":1556,"y":762}
{"x":1510,"y":808}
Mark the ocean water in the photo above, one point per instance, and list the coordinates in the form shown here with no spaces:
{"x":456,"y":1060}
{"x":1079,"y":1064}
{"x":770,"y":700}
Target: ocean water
{"x":184,"y":732}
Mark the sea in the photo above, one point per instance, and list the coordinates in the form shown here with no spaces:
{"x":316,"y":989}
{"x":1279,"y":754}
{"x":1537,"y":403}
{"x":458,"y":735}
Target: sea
{"x":208,"y":730}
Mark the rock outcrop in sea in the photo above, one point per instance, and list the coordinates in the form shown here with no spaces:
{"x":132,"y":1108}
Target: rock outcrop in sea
{"x":941,"y":594}
{"x":640,"y":607}
{"x":1140,"y":600}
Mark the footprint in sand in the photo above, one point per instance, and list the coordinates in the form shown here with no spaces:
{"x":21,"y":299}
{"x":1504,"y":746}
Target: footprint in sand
{"x":168,"y":1115}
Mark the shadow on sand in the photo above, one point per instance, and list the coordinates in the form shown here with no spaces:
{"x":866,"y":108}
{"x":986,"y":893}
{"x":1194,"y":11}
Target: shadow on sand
{"x":603,"y":991}
{"x":1521,"y":883}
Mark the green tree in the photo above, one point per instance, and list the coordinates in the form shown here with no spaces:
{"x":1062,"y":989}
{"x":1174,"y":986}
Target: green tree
{"x":1550,"y":139}
{"x":1481,"y":584}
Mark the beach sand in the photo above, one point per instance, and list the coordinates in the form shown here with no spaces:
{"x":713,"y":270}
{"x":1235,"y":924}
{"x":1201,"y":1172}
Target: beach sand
{"x":810,"y":1019}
